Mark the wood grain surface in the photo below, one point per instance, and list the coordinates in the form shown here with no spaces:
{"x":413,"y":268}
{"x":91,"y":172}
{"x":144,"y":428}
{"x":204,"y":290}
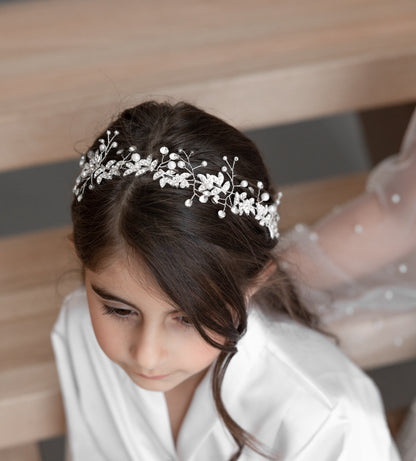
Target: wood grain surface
{"x":67,"y":67}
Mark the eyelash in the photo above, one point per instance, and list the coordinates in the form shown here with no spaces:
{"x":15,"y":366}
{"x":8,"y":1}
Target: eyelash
{"x":121,"y":314}
{"x":124,"y":314}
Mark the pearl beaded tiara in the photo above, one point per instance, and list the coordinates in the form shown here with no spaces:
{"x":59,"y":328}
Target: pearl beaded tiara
{"x":175,"y":169}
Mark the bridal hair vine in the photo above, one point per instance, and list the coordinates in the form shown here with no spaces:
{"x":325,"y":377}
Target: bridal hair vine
{"x":175,"y":169}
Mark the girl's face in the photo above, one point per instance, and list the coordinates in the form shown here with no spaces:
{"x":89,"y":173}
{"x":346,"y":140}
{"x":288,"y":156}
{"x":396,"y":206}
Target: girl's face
{"x":138,"y":329}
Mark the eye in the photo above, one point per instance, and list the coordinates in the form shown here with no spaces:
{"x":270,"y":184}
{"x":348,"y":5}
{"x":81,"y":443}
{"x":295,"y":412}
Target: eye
{"x":183,"y":320}
{"x":117,"y":312}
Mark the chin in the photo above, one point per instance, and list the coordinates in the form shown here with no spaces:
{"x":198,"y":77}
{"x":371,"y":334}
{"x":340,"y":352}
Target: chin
{"x":157,"y":385}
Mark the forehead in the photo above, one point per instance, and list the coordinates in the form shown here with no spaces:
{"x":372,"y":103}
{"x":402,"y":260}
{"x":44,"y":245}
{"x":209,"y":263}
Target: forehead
{"x":127,"y":276}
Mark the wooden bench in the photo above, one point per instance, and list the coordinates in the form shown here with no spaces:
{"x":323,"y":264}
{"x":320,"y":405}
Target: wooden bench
{"x":66,"y":66}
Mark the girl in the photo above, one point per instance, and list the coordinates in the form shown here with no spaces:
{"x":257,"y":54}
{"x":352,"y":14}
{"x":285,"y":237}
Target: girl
{"x":187,"y":340}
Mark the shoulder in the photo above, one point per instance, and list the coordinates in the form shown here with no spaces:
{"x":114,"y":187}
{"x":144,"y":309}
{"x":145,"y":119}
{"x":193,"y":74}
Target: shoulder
{"x":306,"y":366}
{"x":302,"y":386}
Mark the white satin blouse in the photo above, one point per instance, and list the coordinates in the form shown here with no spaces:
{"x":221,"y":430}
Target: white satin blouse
{"x":288,"y":385}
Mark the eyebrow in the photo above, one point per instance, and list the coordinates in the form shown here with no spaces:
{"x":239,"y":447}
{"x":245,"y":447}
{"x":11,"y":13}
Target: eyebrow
{"x":110,"y":297}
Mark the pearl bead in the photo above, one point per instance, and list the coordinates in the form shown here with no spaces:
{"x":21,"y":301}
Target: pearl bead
{"x":403,"y":268}
{"x":299,"y":227}
{"x":358,"y":229}
{"x":313,"y":236}
{"x":388,"y":295}
{"x":395,"y":198}
{"x":221,"y":214}
{"x":164,"y":150}
{"x":188,"y":202}
{"x":244,"y":183}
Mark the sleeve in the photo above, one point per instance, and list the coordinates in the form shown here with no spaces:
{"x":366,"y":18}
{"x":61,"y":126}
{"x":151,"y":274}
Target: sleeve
{"x":360,"y":237}
{"x":355,"y":430}
{"x":361,"y":258}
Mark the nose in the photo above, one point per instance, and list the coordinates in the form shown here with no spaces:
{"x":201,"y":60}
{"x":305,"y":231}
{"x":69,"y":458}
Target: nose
{"x":148,"y":349}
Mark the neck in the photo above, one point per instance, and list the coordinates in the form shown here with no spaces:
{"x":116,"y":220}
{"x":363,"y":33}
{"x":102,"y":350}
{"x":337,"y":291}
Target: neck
{"x":179,"y":399}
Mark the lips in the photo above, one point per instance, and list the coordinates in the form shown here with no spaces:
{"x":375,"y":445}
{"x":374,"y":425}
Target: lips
{"x":151,"y":377}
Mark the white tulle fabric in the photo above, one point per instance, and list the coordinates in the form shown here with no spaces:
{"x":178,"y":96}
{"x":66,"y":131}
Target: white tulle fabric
{"x":356,"y":267}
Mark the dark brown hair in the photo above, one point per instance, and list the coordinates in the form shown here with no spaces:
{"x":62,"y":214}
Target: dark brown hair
{"x":219,"y":258}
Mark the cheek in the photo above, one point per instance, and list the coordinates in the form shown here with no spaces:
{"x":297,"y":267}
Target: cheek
{"x":107,"y":333}
{"x":197,"y":354}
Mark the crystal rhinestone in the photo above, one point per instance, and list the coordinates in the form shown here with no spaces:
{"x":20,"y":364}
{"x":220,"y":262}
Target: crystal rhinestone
{"x":164,"y":150}
{"x":395,"y":198}
{"x":225,"y":157}
{"x":234,"y":209}
{"x":188,"y":202}
{"x":204,"y":163}
{"x":403,"y":268}
{"x":114,"y":144}
{"x":224,"y":169}
{"x":236,"y":159}
{"x":203,"y":198}
{"x":358,"y":229}
{"x":116,"y":132}
{"x":221,"y":214}
{"x":244,"y":183}
{"x":108,"y":132}
{"x":101,"y":140}
{"x":135,"y":157}
{"x":102,"y":147}
{"x":132,"y":148}
{"x":265,"y":196}
{"x":181,"y":164}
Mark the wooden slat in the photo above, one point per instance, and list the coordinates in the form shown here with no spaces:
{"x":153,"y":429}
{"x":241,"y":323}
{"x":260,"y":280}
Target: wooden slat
{"x":252,"y":62}
{"x":29,"y":452}
{"x":308,"y":201}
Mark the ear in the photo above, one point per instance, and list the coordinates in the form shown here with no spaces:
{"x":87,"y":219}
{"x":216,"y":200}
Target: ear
{"x":262,"y":278}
